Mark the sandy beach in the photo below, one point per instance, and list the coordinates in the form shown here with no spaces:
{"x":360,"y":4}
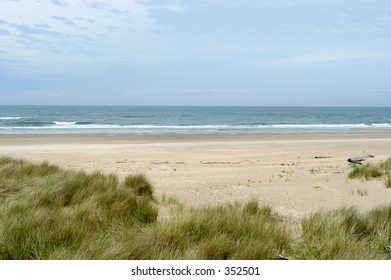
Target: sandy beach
{"x":294,"y":173}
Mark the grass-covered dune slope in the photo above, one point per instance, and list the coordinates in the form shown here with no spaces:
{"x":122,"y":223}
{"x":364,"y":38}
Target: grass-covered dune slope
{"x":50,"y":213}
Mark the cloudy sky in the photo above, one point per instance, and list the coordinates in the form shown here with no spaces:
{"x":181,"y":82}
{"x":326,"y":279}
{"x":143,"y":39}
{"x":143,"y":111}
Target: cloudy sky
{"x":201,"y":52}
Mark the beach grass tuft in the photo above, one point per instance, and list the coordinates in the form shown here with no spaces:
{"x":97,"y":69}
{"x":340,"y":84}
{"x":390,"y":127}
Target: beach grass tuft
{"x":50,"y":213}
{"x":369,"y":171}
{"x":359,"y":191}
{"x":388,"y":181}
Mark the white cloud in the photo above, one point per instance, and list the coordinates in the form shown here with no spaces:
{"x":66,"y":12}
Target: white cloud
{"x":54,"y":30}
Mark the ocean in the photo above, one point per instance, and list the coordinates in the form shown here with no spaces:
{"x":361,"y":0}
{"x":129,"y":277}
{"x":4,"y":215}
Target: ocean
{"x":191,"y":120}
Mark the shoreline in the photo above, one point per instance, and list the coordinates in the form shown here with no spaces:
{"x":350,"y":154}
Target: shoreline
{"x":198,"y":136}
{"x":294,"y":173}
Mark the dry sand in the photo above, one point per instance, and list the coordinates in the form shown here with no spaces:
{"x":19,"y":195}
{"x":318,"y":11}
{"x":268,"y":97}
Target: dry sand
{"x":280,"y":170}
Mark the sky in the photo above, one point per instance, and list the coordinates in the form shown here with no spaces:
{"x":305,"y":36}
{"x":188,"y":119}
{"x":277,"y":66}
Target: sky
{"x":201,"y":52}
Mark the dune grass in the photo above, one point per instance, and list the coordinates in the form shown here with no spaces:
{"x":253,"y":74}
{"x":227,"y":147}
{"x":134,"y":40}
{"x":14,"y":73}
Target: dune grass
{"x":369,"y":171}
{"x":359,"y":191}
{"x":234,"y":231}
{"x":44,"y":209}
{"x":50,"y":213}
{"x":345,"y":234}
{"x":388,"y":181}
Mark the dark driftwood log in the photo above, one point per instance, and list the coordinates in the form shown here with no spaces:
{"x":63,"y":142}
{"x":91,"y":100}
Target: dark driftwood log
{"x":281,"y":257}
{"x":358,"y":160}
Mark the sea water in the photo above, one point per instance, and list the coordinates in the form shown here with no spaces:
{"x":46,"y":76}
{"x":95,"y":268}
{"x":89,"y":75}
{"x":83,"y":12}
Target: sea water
{"x":191,"y":120}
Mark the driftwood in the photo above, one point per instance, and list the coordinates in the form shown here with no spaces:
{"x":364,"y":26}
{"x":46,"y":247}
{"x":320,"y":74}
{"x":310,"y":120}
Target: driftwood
{"x":358,"y":160}
{"x":281,"y":257}
{"x":318,"y":157}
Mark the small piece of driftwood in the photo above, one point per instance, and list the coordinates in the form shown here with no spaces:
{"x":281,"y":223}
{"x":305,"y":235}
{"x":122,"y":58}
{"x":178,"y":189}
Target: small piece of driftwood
{"x":358,"y":160}
{"x":281,"y":257}
{"x":317,"y":157}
